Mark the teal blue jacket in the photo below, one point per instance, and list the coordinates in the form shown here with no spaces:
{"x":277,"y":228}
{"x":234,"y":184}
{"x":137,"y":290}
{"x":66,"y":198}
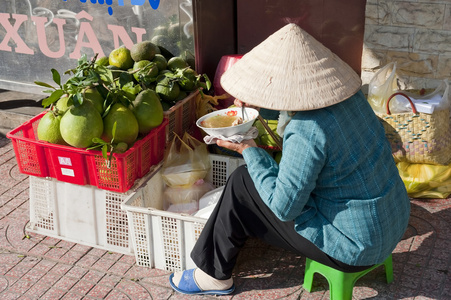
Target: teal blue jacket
{"x":338,"y":181}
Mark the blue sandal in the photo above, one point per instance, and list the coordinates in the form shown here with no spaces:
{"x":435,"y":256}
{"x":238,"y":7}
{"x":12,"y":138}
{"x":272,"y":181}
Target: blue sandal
{"x":188,"y":286}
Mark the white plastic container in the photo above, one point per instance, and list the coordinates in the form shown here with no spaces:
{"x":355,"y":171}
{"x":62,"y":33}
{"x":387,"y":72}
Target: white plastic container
{"x":163,"y":239}
{"x":81,"y":214}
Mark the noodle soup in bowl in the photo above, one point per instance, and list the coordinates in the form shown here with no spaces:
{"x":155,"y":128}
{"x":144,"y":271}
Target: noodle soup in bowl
{"x":227,"y":122}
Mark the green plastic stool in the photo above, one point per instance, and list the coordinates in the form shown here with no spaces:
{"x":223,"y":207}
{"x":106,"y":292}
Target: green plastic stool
{"x":341,"y":283}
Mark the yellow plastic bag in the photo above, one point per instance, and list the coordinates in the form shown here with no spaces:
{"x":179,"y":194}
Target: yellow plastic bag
{"x":426,"y":180}
{"x":186,"y":161}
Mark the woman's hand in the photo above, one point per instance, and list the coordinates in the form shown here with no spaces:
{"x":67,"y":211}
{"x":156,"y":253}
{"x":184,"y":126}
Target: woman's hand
{"x":237,"y":147}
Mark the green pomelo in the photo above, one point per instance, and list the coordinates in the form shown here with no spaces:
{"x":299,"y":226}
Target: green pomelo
{"x":176,"y":63}
{"x":127,"y":127}
{"x":92,"y":95}
{"x":160,"y":30}
{"x":188,"y":78}
{"x":167,"y":90}
{"x":166,"y":45}
{"x":189,"y":58}
{"x":148,"y":69}
{"x":103,"y":61}
{"x":166,"y":71}
{"x":80,"y":124}
{"x":166,"y":106}
{"x":121,"y":147}
{"x":121,"y":58}
{"x":174,"y":31}
{"x":148,"y":110}
{"x":49,"y":128}
{"x":182,"y":95}
{"x":160,"y":61}
{"x":63,"y":104}
{"x":144,"y":50}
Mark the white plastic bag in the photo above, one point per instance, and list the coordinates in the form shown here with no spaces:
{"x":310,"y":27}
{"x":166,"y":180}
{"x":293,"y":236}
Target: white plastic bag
{"x":381,"y":87}
{"x":186,"y":162}
{"x":384,"y":84}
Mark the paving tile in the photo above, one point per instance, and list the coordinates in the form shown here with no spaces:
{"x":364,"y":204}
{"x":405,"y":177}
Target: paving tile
{"x":103,"y":264}
{"x":83,"y":287}
{"x":128,"y":259}
{"x":72,"y":296}
{"x":4,"y":283}
{"x":50,"y":278}
{"x":65,"y":283}
{"x":45,"y":265}
{"x":110,"y":280}
{"x":55,"y":252}
{"x":99,"y":291}
{"x":21,"y":286}
{"x":60,"y":269}
{"x":87,"y":261}
{"x":34,"y":275}
{"x":53,"y":294}
{"x":93,"y":276}
{"x":97,"y":252}
{"x":133,"y":289}
{"x":140,"y":272}
{"x":38,"y":290}
{"x":120,"y":268}
{"x":81,"y":248}
{"x":117,"y":295}
{"x":10,"y":296}
{"x":71,"y":257}
{"x":76,"y":272}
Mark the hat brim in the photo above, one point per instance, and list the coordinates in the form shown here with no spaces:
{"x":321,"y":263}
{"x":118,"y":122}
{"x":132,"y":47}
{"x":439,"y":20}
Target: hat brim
{"x":291,"y":70}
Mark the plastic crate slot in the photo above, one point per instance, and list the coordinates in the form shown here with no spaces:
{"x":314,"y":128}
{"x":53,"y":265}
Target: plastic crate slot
{"x":116,"y":221}
{"x":171,"y":229}
{"x":42,"y":210}
{"x":219,"y":169}
{"x":141,"y":241}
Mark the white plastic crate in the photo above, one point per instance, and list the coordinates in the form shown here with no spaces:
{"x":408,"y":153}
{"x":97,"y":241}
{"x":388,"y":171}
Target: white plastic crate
{"x":81,"y":214}
{"x":163,"y":239}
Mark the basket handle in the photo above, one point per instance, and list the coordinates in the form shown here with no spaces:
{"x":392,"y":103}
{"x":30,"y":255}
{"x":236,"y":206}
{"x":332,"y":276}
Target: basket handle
{"x":414,"y":110}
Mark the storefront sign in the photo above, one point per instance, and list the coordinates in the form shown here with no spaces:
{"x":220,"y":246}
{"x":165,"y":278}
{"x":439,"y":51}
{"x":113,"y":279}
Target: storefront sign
{"x":37,"y":35}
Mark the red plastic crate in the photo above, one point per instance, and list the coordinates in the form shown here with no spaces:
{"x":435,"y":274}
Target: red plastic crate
{"x":86,"y":167}
{"x":182,"y":116}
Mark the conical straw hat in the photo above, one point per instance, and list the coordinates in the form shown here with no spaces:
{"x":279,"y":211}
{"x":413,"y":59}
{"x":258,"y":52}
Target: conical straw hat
{"x":291,"y":70}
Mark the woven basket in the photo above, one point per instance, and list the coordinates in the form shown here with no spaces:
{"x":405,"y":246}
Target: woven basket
{"x":418,"y":137}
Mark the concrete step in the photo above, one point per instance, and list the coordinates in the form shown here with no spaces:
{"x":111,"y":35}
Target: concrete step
{"x":17,"y":108}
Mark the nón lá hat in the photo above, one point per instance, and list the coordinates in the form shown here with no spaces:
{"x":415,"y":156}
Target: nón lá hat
{"x":292,"y":71}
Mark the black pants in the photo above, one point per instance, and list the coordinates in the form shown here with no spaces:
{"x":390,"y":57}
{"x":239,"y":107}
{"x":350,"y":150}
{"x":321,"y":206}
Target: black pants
{"x":239,"y":214}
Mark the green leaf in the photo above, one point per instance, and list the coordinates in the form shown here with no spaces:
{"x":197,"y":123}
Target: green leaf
{"x":44,"y":84}
{"x":207,"y":81}
{"x":105,"y":151}
{"x":56,"y":77}
{"x":97,"y":140}
{"x":52,"y":98}
{"x":125,"y":78}
{"x":78,"y":99}
{"x":113,"y":131}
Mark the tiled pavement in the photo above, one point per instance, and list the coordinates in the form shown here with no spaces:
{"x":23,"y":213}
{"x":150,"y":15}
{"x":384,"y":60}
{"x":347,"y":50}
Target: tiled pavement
{"x":33,"y":266}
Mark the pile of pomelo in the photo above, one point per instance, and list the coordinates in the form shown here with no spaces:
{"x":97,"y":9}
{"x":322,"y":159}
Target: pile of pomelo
{"x":117,"y":99}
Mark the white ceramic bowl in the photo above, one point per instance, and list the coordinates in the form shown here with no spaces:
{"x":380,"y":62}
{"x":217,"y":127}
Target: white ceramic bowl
{"x":250,"y":116}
